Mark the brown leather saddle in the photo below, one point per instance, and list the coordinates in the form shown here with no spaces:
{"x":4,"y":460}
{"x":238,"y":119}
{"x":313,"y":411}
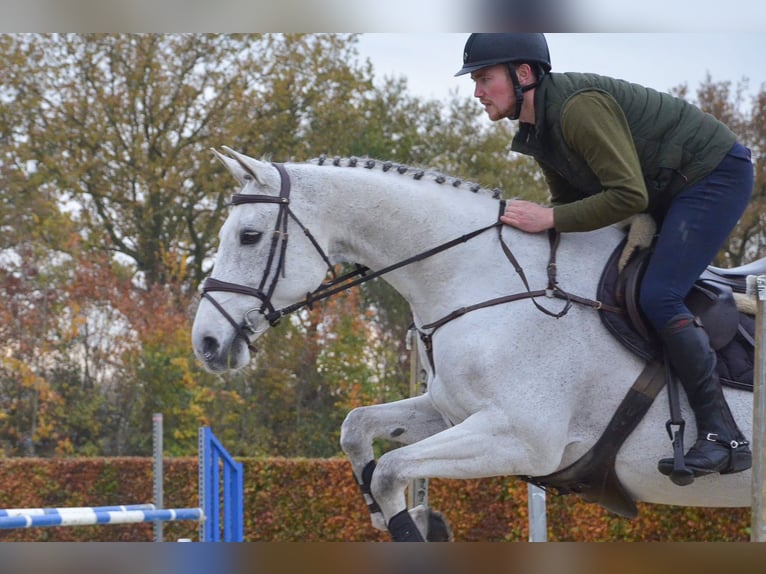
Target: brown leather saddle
{"x":711,"y":300}
{"x":731,"y":332}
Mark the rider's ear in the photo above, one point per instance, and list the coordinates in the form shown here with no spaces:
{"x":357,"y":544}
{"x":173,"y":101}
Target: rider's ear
{"x":525,"y":73}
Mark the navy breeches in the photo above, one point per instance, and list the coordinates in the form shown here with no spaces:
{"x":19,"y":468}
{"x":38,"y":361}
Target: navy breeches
{"x":695,"y":226}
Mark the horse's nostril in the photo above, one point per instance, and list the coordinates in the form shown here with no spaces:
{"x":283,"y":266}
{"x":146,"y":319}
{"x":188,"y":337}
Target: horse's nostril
{"x":209,"y":348}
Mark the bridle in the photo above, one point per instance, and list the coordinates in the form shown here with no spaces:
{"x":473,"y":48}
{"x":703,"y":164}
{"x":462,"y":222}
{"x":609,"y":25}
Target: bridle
{"x":275,"y":265}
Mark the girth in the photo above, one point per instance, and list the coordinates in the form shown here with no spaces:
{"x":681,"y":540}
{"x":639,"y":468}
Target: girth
{"x":593,"y":476}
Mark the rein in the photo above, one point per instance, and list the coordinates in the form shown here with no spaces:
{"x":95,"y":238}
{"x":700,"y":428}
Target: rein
{"x":362,"y":274}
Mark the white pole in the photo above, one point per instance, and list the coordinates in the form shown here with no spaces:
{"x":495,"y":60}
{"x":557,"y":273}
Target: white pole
{"x":417,"y":493}
{"x":158,"y":454}
{"x":757,"y":286}
{"x":538,"y":523}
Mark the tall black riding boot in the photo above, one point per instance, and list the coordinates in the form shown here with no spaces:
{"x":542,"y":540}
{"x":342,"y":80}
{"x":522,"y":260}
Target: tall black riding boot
{"x":721,"y":446}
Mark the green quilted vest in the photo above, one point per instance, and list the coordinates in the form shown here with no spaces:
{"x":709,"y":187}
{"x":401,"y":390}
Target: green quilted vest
{"x":677,"y":143}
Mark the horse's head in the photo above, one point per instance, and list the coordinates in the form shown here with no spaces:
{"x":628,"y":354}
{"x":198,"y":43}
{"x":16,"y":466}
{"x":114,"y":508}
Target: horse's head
{"x":257,"y":271}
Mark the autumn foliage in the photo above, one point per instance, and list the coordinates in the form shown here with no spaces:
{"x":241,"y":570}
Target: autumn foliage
{"x":304,"y":500}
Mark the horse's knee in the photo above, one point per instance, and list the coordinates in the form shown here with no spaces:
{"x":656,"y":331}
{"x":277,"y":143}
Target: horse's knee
{"x":351,"y":436}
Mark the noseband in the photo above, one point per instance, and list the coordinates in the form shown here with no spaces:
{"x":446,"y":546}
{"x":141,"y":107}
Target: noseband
{"x":275,"y":261}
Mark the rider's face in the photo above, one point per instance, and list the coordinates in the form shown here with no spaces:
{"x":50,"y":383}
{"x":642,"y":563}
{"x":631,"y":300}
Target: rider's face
{"x":494,"y":90}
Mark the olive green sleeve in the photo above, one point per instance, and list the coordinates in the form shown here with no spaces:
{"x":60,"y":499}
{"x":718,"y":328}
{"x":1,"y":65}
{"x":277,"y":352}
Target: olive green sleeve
{"x":562,"y":192}
{"x":594,"y":127}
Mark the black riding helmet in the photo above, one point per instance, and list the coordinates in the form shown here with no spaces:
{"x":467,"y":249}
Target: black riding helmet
{"x":484,"y":50}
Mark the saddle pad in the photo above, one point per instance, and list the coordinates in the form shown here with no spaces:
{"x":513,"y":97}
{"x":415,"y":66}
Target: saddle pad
{"x":735,"y":360}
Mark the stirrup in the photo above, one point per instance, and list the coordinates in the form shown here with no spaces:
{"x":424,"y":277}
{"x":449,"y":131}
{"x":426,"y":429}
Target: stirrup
{"x":680,"y":474}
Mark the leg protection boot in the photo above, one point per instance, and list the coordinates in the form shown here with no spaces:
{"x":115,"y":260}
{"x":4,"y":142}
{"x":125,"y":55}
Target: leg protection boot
{"x":721,"y":446}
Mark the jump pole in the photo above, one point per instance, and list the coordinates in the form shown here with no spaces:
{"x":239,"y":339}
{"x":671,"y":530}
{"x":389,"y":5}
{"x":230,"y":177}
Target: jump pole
{"x":221,"y":515}
{"x":94,"y":515}
{"x":756,"y":287}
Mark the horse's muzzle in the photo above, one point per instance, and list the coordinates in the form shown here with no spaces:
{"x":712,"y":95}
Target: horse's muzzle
{"x":216,"y":358}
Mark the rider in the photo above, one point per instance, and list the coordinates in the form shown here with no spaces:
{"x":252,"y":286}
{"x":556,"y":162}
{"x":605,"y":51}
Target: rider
{"x":610,"y":149}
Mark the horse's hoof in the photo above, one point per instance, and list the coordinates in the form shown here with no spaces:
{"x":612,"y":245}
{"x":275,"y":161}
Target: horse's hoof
{"x":438,"y":529}
{"x":403,"y":528}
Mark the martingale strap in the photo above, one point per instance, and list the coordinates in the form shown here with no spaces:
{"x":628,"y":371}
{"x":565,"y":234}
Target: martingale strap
{"x":552,"y":290}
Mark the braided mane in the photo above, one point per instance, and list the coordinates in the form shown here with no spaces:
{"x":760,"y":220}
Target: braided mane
{"x":404,"y":170}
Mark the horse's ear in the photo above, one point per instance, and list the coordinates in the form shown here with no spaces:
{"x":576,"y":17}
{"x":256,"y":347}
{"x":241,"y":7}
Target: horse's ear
{"x":233,"y":167}
{"x":242,"y":167}
{"x":252,"y":166}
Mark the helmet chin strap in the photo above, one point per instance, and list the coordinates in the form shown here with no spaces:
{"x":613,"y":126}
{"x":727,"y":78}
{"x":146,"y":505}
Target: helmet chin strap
{"x":518,"y":91}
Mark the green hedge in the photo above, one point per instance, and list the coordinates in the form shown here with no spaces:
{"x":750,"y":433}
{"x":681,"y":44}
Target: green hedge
{"x":305,"y":500}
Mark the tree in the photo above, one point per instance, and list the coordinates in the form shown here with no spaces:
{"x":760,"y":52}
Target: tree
{"x":28,"y":326}
{"x":120,"y":125}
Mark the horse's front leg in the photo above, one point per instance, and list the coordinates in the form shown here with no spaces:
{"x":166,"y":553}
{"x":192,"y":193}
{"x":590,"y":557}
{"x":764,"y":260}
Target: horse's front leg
{"x":406,"y":422}
{"x":483,"y":445}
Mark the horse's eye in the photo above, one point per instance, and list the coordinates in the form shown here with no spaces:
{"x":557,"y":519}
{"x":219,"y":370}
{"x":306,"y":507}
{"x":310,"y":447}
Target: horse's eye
{"x":249,"y":236}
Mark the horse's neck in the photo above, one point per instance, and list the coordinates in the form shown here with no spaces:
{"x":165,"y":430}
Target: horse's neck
{"x":381,"y":219}
{"x":381,"y":223}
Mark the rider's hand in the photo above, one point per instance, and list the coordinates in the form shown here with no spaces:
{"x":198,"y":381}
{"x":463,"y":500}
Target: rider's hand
{"x":527,"y":216}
